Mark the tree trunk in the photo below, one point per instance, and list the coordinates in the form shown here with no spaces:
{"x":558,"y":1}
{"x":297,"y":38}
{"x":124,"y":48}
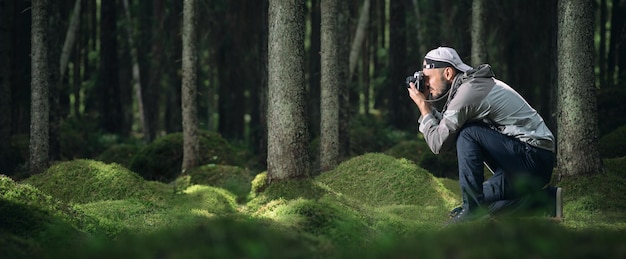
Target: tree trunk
{"x":39,"y":88}
{"x":359,"y":36}
{"x":288,"y":136}
{"x":55,"y":88}
{"x":331,"y":81}
{"x":70,"y":39}
{"x":141,"y":113}
{"x":618,"y":39}
{"x":577,"y":118}
{"x":191,"y":145}
{"x":479,"y":35}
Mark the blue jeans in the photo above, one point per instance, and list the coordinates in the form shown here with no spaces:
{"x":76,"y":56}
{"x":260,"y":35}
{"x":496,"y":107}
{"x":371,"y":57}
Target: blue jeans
{"x":521,"y":171}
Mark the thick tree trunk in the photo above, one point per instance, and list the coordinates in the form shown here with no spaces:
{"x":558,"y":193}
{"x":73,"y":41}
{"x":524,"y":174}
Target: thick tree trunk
{"x":577,"y":118}
{"x":288,"y":136}
{"x":191,"y":145}
{"x":332,"y":80}
{"x":39,"y":146}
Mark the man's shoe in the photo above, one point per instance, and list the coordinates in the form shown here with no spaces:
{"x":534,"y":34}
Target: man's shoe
{"x":454,"y":212}
{"x":458,"y":215}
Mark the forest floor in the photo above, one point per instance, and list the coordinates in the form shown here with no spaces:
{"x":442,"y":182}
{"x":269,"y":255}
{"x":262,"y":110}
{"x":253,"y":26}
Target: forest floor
{"x":371,"y":206}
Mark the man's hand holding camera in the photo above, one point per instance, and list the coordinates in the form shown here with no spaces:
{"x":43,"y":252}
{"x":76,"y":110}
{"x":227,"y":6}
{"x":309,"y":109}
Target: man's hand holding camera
{"x":417,"y":91}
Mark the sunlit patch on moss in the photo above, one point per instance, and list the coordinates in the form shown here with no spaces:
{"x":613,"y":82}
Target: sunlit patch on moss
{"x":82,"y":181}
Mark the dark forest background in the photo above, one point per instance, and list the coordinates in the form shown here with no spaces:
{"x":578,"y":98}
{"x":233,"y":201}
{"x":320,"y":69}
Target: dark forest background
{"x":95,"y":102}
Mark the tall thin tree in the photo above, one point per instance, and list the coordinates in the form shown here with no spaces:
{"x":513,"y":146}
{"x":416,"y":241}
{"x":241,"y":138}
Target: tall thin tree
{"x":288,"y":136}
{"x":331,"y":82}
{"x":479,"y":39}
{"x":191,"y":146}
{"x":577,"y":147}
{"x":40,"y":74}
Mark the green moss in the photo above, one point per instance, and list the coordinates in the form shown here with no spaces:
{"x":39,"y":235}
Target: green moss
{"x":324,"y":218}
{"x":612,"y":144}
{"x":134,"y":216}
{"x":379,"y":180}
{"x":215,"y":238}
{"x":443,"y":164}
{"x":82,"y":181}
{"x":259,"y":183}
{"x":33,"y":221}
{"x":596,"y":200}
{"x":285,"y":190}
{"x":232,"y":178}
{"x":162,"y":159}
{"x":531,"y":238}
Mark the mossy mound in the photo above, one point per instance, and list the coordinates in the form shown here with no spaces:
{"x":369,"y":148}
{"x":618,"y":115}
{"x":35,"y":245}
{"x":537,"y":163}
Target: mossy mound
{"x":396,"y":188}
{"x":443,"y":164}
{"x":83,"y":181}
{"x":215,"y":238}
{"x":162,"y":159}
{"x":33,"y":221}
{"x":282,"y":190}
{"x":612,"y":144}
{"x":381,"y":180}
{"x":232,"y":178}
{"x":119,"y":153}
{"x":530,"y":238}
{"x":139,"y":216}
{"x":204,"y":199}
{"x":598,"y":199}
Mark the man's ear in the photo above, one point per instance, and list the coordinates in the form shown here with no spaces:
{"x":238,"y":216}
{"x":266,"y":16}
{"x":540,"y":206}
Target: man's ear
{"x":448,"y":73}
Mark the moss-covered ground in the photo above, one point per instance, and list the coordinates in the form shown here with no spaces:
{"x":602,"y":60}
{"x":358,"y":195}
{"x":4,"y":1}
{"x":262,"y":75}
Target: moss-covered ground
{"x":371,"y":206}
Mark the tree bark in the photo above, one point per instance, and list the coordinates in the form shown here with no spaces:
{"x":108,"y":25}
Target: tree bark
{"x":359,"y":36}
{"x":191,"y":145}
{"x":479,"y":35}
{"x":577,"y":147}
{"x":332,"y":79}
{"x":141,"y":113}
{"x":70,"y":39}
{"x":39,"y":131}
{"x":288,"y":136}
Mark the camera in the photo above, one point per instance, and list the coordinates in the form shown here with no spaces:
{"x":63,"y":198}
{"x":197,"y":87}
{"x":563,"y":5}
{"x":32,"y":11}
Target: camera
{"x":418,"y":79}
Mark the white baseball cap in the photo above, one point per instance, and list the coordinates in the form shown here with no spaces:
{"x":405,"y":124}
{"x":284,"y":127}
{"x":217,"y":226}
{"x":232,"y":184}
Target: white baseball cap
{"x":447,"y":55}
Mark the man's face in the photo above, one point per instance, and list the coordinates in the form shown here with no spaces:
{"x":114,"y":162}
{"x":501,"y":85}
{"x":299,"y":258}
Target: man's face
{"x":436,"y":82}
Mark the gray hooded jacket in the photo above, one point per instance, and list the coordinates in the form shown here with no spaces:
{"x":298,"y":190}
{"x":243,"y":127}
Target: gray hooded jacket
{"x":477,"y":96}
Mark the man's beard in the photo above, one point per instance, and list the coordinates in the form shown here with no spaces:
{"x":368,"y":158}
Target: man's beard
{"x":448,"y":86}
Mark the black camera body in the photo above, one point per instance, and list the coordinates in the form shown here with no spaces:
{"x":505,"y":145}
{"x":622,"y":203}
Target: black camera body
{"x":418,"y":79}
